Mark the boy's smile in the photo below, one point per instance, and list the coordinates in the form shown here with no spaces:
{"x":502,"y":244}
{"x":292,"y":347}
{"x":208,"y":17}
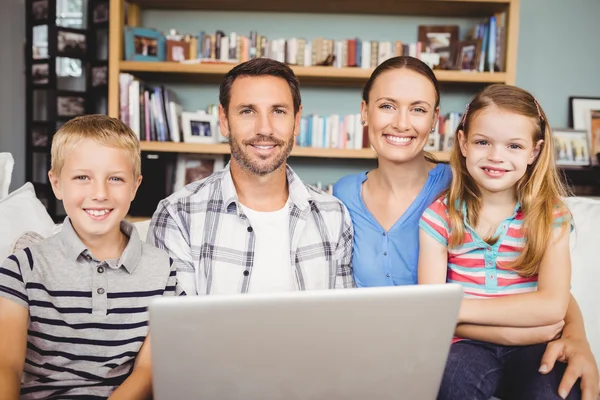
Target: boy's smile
{"x":96,"y":184}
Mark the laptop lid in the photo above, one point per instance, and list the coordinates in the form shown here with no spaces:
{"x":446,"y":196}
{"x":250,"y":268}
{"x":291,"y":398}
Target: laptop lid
{"x":369,"y":343}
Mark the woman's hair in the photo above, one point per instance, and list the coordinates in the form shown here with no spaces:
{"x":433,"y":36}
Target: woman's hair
{"x":404,"y":62}
{"x":401,"y":62}
{"x":539,"y":191}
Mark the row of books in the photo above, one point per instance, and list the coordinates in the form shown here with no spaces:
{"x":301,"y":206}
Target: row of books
{"x":153,"y":112}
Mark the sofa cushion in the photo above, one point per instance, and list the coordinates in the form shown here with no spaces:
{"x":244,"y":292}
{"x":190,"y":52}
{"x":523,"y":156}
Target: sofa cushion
{"x":21,"y":212}
{"x":585,"y":256}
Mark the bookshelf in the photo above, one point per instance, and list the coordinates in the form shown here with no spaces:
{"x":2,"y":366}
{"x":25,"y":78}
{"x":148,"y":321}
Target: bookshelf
{"x":322,"y":76}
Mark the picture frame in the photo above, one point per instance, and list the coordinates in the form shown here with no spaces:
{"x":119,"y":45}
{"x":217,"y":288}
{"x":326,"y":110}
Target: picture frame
{"x":70,"y":106}
{"x":433,"y":143}
{"x":199,"y":127}
{"x":572,"y":147}
{"x":40,"y":74}
{"x":578,"y":107}
{"x":194,"y":167}
{"x":467,"y":55}
{"x":39,"y":10}
{"x":71,"y":44}
{"x":433,"y":37}
{"x":99,"y":76}
{"x":448,"y":141}
{"x":447,"y":57}
{"x":144,"y":44}
{"x":100,"y":13}
{"x":177,"y":50}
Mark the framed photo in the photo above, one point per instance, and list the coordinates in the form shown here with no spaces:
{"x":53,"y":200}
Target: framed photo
{"x":39,"y":10}
{"x":100,"y":76}
{"x":177,"y":50}
{"x":40,"y":74}
{"x":100,"y":13}
{"x":433,"y":143}
{"x":467,"y":55}
{"x":39,"y":136}
{"x":71,"y":44}
{"x":194,"y":167}
{"x":144,"y":44}
{"x":578,"y":107}
{"x":571,"y":146}
{"x":70,"y":106}
{"x":447,"y":57}
{"x":434,"y":37}
{"x":448,"y":141}
{"x":199,"y":127}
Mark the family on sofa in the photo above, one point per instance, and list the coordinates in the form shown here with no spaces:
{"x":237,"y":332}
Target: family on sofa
{"x":73,"y":318}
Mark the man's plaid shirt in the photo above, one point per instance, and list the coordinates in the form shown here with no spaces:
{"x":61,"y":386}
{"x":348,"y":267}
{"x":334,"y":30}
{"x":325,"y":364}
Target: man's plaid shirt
{"x":211,"y":241}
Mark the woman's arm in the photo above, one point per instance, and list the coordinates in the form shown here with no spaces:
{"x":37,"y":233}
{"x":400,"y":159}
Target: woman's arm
{"x":139,"y":384}
{"x":14,"y":319}
{"x":433,"y":259}
{"x":546,"y":306}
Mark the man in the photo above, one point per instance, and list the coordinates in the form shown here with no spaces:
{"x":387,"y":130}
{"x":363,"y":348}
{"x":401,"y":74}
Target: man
{"x":254,"y":226}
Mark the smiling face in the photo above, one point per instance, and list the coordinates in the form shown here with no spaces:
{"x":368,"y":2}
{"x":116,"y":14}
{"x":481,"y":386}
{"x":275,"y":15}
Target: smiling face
{"x":498,"y":148}
{"x":96,"y":184}
{"x":260,"y":123}
{"x":400,"y":114}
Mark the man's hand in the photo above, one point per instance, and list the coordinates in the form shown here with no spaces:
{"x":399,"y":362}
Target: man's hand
{"x":580,"y":361}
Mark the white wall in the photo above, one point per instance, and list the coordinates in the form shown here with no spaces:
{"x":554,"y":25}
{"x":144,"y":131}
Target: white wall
{"x":12,"y":85}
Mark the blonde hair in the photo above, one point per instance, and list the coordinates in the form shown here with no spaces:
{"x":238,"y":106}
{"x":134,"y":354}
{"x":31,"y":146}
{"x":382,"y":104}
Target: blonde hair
{"x":101,"y":128}
{"x":539,"y":191}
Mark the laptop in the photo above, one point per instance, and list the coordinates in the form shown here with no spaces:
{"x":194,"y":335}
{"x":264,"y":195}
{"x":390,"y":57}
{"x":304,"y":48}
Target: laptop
{"x":368,"y":343}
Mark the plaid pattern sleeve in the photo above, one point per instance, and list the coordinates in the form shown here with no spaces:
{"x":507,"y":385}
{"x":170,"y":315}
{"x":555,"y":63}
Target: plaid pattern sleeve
{"x":345,"y":277}
{"x":168,"y":231}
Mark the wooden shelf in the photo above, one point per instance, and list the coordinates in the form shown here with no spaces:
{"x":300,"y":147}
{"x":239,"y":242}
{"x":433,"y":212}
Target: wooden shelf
{"x":170,"y":147}
{"x":441,"y":8}
{"x":174,"y":71}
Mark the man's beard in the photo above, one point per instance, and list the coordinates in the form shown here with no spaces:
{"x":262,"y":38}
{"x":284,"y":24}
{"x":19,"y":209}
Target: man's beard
{"x":245,"y":160}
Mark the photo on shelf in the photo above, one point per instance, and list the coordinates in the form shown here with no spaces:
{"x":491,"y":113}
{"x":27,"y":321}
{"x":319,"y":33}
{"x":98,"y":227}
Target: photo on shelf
{"x":144,"y":44}
{"x":468,"y":55}
{"x":39,"y":74}
{"x":433,"y":143}
{"x":177,"y":50}
{"x":194,"y":167}
{"x":448,"y":141}
{"x":40,"y":42}
{"x":70,"y":106}
{"x":71,"y":44}
{"x":434,"y":37}
{"x":571,"y":146}
{"x":100,"y":76}
{"x":39,"y":10}
{"x":39,"y":167}
{"x":39,"y":136}
{"x":100,"y":13}
{"x":447,"y":57}
{"x":199,"y":127}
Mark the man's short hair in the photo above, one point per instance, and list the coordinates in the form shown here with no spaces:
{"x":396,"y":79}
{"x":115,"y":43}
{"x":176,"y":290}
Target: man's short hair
{"x":105,"y":130}
{"x":260,"y":67}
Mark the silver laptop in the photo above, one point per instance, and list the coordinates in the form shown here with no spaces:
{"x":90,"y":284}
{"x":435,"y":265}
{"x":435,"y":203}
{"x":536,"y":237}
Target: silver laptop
{"x":375,"y":343}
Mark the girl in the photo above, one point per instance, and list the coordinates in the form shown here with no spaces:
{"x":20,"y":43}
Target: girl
{"x":502,"y":232}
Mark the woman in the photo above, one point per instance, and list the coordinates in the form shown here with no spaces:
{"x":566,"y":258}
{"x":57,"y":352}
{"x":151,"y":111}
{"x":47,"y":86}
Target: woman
{"x":400,"y":108}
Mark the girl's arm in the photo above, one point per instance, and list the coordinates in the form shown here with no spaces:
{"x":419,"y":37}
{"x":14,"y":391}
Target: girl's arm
{"x":433,"y":259}
{"x":546,"y":306}
{"x":510,"y":336}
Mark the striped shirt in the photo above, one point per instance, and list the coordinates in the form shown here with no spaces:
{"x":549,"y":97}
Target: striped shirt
{"x":481,"y":268}
{"x":211,"y":240}
{"x":87,"y":318}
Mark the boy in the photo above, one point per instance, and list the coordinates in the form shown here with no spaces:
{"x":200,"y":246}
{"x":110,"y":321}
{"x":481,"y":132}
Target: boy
{"x":73,"y":307}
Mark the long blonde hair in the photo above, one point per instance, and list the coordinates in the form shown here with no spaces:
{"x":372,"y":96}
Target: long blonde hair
{"x":539,"y":191}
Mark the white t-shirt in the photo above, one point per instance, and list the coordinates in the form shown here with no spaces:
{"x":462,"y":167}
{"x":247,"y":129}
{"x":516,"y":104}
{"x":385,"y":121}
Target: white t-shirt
{"x":272,"y":269}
